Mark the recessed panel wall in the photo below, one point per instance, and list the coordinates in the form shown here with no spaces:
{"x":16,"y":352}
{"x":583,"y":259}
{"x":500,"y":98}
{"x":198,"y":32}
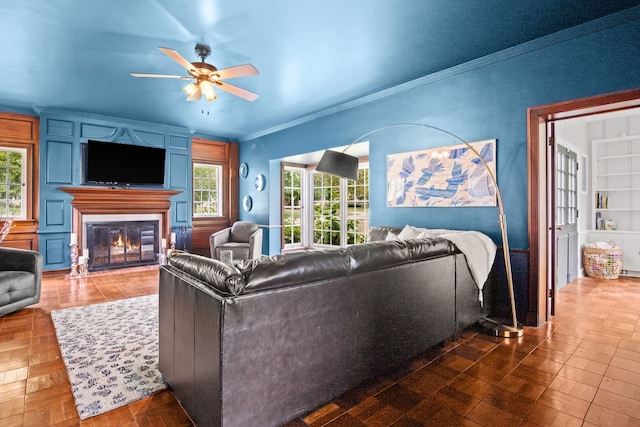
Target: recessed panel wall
{"x":62,"y":139}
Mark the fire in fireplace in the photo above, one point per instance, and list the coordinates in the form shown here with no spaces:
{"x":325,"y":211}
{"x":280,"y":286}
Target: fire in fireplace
{"x":122,"y":244}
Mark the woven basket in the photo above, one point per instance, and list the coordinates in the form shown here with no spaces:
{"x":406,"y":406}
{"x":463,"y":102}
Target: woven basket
{"x":602,"y":263}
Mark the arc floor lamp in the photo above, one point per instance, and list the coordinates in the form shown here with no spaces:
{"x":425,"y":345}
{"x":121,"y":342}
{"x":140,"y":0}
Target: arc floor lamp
{"x":345,"y":165}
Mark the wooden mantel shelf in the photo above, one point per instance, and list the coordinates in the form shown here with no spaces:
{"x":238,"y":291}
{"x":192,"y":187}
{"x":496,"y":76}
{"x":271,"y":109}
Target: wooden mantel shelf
{"x":119,"y":200}
{"x":104,"y":200}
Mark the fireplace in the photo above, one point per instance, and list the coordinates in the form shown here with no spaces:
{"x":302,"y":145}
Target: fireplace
{"x":119,"y":244}
{"x":93,"y":205}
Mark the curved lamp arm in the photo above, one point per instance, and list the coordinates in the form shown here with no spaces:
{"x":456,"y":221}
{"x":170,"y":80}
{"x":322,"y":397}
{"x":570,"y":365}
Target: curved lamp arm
{"x":345,"y":165}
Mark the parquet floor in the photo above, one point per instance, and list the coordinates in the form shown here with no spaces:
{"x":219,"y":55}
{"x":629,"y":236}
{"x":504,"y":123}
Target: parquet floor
{"x":581,"y":369}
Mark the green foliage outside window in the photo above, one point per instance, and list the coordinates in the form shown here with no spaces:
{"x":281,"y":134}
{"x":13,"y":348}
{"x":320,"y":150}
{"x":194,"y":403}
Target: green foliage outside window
{"x":11,"y":188}
{"x":292,"y":206}
{"x":328,"y":203}
{"x":206,"y":194}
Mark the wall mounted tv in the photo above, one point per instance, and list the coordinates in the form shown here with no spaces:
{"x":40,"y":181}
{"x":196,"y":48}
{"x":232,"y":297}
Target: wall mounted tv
{"x":122,"y":164}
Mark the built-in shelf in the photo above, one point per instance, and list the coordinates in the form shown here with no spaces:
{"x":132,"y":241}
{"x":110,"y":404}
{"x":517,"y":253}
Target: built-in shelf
{"x":618,"y":174}
{"x":603,"y":190}
{"x":621,"y":156}
{"x":621,"y":138}
{"x":616,"y":194}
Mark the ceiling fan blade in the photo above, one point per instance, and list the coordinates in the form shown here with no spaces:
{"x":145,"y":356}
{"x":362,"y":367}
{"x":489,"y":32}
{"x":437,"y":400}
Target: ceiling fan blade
{"x":237,"y":91}
{"x":180,"y":60}
{"x":238,"y":71}
{"x":196,"y":96}
{"x":162,"y":76}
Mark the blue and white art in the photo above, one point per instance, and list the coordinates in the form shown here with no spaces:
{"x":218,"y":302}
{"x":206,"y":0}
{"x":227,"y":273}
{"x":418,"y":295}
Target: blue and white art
{"x":443,"y":177}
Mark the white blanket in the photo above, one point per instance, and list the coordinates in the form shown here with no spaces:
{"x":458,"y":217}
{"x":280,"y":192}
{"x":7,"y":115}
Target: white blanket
{"x":477,"y":247}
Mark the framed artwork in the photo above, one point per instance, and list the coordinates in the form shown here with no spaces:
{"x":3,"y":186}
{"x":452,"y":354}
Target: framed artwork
{"x":451,"y":176}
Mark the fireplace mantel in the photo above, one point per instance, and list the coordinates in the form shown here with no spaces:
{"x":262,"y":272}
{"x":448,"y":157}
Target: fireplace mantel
{"x":104,"y":200}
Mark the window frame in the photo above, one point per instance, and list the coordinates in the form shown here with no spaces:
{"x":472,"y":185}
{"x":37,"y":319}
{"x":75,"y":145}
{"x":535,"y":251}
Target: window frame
{"x":303,"y":204}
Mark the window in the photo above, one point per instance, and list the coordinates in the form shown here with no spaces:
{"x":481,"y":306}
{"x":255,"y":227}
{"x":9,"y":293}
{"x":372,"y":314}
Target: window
{"x":207,"y":193}
{"x":13,"y":172}
{"x":292,"y":181}
{"x":340,"y":208}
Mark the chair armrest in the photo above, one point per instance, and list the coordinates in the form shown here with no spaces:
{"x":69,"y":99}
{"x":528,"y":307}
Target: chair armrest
{"x":255,"y":244}
{"x":217,"y":239}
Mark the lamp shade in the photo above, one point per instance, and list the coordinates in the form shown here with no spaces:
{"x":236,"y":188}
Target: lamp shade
{"x":340,"y":164}
{"x":191,"y":89}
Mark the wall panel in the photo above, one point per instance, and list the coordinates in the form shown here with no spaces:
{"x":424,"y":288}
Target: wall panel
{"x":63,"y":135}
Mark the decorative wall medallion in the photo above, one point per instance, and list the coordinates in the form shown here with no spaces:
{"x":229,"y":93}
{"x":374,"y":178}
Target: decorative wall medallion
{"x":261,"y":182}
{"x":244,"y":170}
{"x":247,"y":203}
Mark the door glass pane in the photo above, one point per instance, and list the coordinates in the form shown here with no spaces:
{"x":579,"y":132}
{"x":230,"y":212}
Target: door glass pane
{"x":326,"y":209}
{"x":292,"y":206}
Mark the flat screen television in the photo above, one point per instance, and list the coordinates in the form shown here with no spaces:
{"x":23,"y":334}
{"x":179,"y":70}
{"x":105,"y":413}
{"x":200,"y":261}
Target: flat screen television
{"x":123,"y":164}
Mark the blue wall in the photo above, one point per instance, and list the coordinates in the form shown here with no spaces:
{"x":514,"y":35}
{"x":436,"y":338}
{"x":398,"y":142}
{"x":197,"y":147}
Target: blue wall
{"x":61,"y":135}
{"x":484,"y":99}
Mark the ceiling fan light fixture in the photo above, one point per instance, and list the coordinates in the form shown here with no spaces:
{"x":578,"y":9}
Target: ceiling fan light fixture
{"x":206,"y":76}
{"x":191,"y":89}
{"x":207,"y":89}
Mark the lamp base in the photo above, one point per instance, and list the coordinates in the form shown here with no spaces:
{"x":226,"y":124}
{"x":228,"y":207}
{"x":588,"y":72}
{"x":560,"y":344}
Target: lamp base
{"x":501,"y":328}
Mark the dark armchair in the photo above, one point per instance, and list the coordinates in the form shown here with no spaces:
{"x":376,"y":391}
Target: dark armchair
{"x":244,"y":239}
{"x":20,"y":279}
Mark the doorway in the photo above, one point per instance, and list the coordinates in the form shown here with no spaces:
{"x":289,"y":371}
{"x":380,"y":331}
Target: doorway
{"x":542,"y":227}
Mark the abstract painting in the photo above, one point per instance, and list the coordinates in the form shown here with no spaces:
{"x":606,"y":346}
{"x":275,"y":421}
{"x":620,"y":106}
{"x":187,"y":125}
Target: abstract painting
{"x":451,"y":176}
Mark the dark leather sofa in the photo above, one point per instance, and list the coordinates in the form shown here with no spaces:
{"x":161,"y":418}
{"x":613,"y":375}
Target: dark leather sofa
{"x":260,"y":345}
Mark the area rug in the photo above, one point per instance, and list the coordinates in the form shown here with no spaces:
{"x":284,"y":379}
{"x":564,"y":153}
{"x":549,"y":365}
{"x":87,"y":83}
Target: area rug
{"x":110,"y":351}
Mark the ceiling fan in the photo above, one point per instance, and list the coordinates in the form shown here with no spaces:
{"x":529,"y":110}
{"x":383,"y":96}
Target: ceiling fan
{"x":206,"y":76}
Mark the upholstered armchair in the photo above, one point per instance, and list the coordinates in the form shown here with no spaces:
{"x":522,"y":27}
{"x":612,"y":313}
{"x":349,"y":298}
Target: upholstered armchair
{"x":20,"y":279}
{"x":244,"y":239}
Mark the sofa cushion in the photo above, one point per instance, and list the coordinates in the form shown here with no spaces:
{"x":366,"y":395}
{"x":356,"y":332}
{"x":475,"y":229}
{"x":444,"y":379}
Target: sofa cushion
{"x":295,"y":268}
{"x":376,"y":255}
{"x":429,"y":247}
{"x":225,"y":278}
{"x":381,"y":232}
{"x":16,"y":285}
{"x":411,"y":232}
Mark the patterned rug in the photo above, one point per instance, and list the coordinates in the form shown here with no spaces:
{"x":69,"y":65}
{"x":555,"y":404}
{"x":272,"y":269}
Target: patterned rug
{"x":110,"y":351}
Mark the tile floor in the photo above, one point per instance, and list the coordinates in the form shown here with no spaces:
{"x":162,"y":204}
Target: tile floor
{"x":580,"y":369}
